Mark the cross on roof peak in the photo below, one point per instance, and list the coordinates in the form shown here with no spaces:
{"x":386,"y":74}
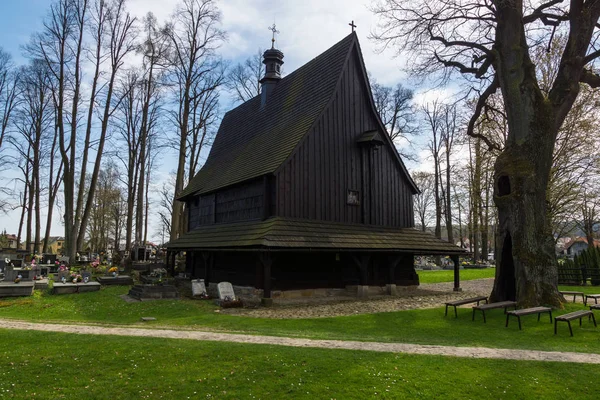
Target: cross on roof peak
{"x":352,"y":25}
{"x":273,"y":29}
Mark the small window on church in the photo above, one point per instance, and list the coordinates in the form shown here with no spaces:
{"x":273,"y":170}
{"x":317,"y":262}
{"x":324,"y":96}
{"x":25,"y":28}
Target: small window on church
{"x":353,"y":198}
{"x":278,"y":68}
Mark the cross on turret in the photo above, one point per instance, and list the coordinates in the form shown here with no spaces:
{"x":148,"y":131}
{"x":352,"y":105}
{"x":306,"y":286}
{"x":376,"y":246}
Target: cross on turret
{"x":274,"y":30}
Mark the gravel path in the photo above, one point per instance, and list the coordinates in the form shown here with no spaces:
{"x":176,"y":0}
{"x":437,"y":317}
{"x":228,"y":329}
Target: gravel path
{"x":409,"y":298}
{"x":467,"y":352}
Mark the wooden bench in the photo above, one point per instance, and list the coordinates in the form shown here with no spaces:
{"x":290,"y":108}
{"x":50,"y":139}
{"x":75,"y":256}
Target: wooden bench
{"x":595,"y":307}
{"x":573,"y":293}
{"x":574,"y":315}
{"x":462,"y":302}
{"x":490,"y":306}
{"x":528,"y":311}
{"x":591,"y":296}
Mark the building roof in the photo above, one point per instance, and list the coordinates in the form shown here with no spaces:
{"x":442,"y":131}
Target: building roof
{"x":279,"y":233}
{"x":581,"y":240}
{"x":254,"y":141}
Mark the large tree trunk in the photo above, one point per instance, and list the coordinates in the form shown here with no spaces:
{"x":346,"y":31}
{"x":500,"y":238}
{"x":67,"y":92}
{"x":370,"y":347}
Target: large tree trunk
{"x":526,"y":261}
{"x":527,"y":269}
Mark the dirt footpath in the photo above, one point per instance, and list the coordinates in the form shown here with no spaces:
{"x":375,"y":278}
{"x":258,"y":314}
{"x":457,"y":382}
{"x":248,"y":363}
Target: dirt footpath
{"x":469,"y":352}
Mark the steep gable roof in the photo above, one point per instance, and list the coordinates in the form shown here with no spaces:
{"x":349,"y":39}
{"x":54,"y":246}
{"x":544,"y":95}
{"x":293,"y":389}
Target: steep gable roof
{"x":252,"y":141}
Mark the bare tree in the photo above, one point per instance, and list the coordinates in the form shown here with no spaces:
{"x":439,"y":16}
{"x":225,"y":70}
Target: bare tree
{"x":433,"y":119}
{"x":393,"y":104}
{"x":243,"y":80}
{"x":9,"y":81}
{"x":121,"y":35}
{"x":194,"y":37}
{"x":424,"y":201}
{"x":492,"y":42}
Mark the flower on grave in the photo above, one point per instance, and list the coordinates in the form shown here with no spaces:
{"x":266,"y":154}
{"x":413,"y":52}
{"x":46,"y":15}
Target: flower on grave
{"x":18,"y":279}
{"x":56,"y":262}
{"x":113,"y":269}
{"x":63,"y":267}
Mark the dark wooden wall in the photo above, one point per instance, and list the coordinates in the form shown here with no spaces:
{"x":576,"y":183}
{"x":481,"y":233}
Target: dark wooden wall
{"x":236,"y":203}
{"x":314,"y":182}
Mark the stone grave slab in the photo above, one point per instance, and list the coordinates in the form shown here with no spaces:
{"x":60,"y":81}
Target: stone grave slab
{"x":68,"y":288}
{"x":11,"y":289}
{"x":123,"y":280}
{"x":225,"y":291}
{"x":198,"y":287}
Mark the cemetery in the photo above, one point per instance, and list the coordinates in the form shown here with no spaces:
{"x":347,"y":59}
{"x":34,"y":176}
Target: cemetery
{"x":403,"y":207}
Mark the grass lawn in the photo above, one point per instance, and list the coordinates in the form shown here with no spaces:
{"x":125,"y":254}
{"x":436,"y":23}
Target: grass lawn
{"x":426,"y":326}
{"x":448,"y":275}
{"x":100,"y":367}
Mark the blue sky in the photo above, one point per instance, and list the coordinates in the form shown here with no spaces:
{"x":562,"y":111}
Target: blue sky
{"x":308,"y":27}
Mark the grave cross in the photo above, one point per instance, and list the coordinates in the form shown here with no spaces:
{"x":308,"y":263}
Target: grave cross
{"x":274,"y":30}
{"x":352,"y":25}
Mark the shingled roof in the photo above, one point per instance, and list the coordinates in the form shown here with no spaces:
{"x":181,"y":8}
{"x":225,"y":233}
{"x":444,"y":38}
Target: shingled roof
{"x":279,"y":233}
{"x":252,"y":141}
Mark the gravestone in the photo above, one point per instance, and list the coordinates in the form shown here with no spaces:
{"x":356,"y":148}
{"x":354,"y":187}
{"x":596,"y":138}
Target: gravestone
{"x":198,"y":287}
{"x":9,"y":274}
{"x":86,"y":276}
{"x":63,"y":273}
{"x":225,"y":291}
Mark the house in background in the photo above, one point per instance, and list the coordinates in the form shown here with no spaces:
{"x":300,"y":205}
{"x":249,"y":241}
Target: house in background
{"x":303,"y":188}
{"x":10,"y":240}
{"x":55,"y":244}
{"x":577,"y":245}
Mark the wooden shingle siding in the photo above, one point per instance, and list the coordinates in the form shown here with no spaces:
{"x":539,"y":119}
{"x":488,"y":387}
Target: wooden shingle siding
{"x":237,"y":203}
{"x":286,"y":234}
{"x":314,"y":182}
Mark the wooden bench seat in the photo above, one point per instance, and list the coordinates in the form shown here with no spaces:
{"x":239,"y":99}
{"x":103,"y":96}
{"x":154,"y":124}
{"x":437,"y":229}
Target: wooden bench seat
{"x":574,"y":315}
{"x":528,"y":311}
{"x":595,"y":307}
{"x":490,"y":306}
{"x":573,"y":293}
{"x":591,"y":296}
{"x":464,"y":301}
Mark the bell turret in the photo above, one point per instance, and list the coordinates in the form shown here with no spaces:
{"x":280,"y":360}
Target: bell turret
{"x":273,"y":60}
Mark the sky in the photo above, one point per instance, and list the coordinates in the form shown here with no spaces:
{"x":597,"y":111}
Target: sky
{"x":307,"y":28}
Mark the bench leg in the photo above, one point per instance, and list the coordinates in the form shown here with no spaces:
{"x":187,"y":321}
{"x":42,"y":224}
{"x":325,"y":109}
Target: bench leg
{"x":594,"y":319}
{"x":550,"y":314}
{"x":539,"y":316}
{"x":570,"y":329}
{"x":519,"y":318}
{"x":506,"y":325}
{"x":446,"y":313}
{"x":484,"y":321}
{"x":555,"y":326}
{"x":455,"y":313}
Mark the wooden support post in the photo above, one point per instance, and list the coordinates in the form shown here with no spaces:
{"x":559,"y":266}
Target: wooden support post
{"x":456,"y":273}
{"x":266,"y":261}
{"x":189,"y":261}
{"x":362,"y":262}
{"x":391,"y":280}
{"x":208,"y":264}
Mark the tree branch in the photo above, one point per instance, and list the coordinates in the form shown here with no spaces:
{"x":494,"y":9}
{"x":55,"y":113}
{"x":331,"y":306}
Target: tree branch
{"x":455,"y":64}
{"x":590,"y":78}
{"x":478,"y":108}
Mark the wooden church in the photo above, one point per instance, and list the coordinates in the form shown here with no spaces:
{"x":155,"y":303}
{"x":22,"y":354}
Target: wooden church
{"x":303,"y":187}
